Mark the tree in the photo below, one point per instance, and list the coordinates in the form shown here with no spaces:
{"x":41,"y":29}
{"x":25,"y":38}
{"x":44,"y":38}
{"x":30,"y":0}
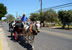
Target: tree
{"x":34,"y":16}
{"x":3,"y":10}
{"x":61,"y":16}
{"x":69,"y":17}
{"x":10,"y":18}
{"x":65,"y":17}
{"x":52,"y":15}
{"x":49,"y":16}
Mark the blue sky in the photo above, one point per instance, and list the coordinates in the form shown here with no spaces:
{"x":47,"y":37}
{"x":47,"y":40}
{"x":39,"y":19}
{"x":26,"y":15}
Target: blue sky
{"x":29,"y":6}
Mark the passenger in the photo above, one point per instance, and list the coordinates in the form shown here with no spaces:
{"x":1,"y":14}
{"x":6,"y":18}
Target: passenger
{"x":18,"y":24}
{"x":24,"y":19}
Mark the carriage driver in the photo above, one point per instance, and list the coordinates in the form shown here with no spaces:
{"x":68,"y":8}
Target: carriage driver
{"x":25,"y":20}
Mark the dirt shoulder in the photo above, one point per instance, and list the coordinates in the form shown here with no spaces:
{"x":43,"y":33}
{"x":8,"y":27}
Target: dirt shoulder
{"x":4,"y":43}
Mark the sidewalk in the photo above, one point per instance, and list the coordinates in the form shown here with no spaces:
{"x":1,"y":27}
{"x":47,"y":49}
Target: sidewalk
{"x":3,"y":41}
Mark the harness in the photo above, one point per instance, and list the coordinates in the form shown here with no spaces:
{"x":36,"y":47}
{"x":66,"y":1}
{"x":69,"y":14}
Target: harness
{"x":26,"y":26}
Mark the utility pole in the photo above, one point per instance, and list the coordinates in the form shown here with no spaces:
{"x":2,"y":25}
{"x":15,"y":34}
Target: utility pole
{"x":42,"y":21}
{"x":41,"y":5}
{"x":41,"y":8}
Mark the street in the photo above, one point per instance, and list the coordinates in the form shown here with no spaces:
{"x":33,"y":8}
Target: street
{"x":47,"y":39}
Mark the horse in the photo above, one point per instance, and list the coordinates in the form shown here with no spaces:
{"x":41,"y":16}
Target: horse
{"x":31,"y":35}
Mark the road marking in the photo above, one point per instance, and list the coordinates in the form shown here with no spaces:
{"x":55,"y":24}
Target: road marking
{"x":0,"y":45}
{"x":58,"y":34}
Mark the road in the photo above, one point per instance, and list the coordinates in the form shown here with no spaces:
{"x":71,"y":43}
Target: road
{"x":47,"y":39}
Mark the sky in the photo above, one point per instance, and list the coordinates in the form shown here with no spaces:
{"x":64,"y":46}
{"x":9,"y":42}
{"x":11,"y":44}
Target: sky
{"x":21,"y":7}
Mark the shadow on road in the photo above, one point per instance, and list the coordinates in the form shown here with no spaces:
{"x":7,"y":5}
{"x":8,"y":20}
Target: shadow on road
{"x":25,"y":45}
{"x":22,"y":43}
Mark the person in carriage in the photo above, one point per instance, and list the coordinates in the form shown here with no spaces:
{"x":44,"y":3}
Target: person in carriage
{"x":17,"y":25}
{"x":10,"y":26}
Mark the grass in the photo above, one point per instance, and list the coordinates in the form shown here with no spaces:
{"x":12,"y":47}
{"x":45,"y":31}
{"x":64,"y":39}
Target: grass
{"x":60,"y":27}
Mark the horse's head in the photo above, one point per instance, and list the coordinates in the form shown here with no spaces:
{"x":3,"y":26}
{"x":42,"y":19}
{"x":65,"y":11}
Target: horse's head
{"x":36,"y":27}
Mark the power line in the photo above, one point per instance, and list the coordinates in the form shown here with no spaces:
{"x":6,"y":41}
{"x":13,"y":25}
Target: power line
{"x":62,"y":5}
{"x":59,"y":6}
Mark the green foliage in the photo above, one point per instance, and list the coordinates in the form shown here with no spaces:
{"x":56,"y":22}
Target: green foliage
{"x":34,"y":16}
{"x":65,"y":17}
{"x":48,"y":16}
{"x":51,"y":15}
{"x":3,"y":10}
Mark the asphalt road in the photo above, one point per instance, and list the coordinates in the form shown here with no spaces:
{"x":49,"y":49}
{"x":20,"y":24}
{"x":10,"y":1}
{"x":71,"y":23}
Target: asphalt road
{"x":47,"y":39}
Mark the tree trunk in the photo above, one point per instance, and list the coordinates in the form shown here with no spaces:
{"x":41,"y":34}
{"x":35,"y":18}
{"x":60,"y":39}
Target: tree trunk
{"x":68,"y":26}
{"x":0,"y":18}
{"x":63,"y":26}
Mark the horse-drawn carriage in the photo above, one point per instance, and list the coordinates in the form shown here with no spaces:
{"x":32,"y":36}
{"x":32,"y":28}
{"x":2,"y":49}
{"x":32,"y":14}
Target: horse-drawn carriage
{"x":24,"y":31}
